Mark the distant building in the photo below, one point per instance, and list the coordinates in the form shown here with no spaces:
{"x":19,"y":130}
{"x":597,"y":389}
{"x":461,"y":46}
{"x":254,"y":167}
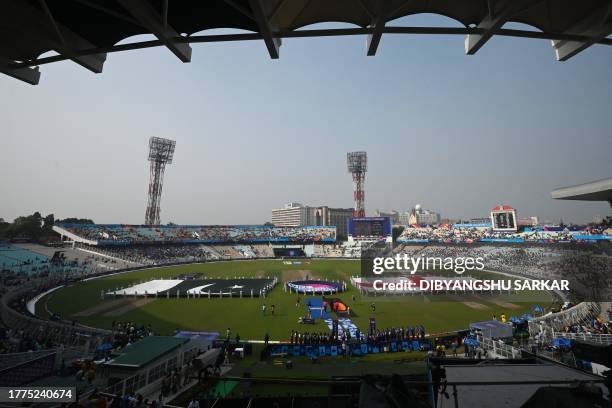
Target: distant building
{"x":393,"y":216}
{"x":334,"y":217}
{"x":292,"y":215}
{"x":404,"y":218}
{"x":480,"y":220}
{"x":503,"y":218}
{"x":420,"y":216}
{"x":528,"y":221}
{"x":297,"y":215}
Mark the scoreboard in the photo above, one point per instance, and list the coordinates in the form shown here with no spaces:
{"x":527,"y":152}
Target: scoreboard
{"x":504,"y":221}
{"x":369,"y":228}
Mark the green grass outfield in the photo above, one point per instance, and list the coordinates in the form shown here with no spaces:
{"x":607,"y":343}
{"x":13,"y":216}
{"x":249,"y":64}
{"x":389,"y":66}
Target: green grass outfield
{"x":244,"y":316}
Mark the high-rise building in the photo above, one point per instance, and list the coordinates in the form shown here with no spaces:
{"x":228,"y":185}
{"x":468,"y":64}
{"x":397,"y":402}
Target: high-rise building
{"x":528,"y":221}
{"x":337,"y":217}
{"x":291,"y":215}
{"x":421,"y":216}
{"x":393,"y":216}
{"x":297,"y":215}
{"x":480,"y":220}
{"x":404,"y":218}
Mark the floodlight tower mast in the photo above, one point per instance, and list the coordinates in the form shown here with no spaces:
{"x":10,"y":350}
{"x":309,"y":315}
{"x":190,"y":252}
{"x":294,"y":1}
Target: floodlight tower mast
{"x":161,"y":152}
{"x":357,"y":163}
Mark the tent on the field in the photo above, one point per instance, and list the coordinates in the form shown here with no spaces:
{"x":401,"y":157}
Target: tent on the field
{"x":493,"y":329}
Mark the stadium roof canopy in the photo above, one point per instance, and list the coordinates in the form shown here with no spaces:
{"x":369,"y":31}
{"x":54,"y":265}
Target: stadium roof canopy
{"x":146,"y":350}
{"x":600,"y":190}
{"x":84,"y":31}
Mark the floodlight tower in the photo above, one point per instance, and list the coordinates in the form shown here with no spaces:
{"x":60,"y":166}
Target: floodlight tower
{"x":161,"y":152}
{"x":357,"y":163}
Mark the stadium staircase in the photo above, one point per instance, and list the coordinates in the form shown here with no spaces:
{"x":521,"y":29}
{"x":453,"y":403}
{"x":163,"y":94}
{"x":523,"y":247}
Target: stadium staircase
{"x":211,"y":252}
{"x":495,"y":349}
{"x":129,"y":263}
{"x":75,"y":238}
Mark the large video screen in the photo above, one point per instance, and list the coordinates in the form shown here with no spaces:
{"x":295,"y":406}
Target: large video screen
{"x":370,"y":227}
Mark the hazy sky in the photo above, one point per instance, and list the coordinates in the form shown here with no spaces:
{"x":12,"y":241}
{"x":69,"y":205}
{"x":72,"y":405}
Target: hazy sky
{"x":458,"y":134}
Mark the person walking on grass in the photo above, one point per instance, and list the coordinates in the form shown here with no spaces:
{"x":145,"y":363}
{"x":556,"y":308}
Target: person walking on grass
{"x":263,"y":309}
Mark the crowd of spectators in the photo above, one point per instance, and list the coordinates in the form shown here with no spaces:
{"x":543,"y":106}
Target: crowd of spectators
{"x":447,"y":233}
{"x":21,"y":267}
{"x":112,"y":233}
{"x":593,"y":326}
{"x":169,"y":254}
{"x":588,"y":268}
{"x":16,"y":341}
{"x":160,"y":254}
{"x":126,"y":333}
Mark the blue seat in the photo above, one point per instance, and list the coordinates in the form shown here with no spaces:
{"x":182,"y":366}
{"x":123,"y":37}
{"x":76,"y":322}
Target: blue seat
{"x":285,"y":349}
{"x":405,"y":346}
{"x":296,"y":351}
{"x":393,"y":347}
{"x":416,"y":345}
{"x":364,"y":348}
{"x":375,"y":349}
{"x":334,"y":350}
{"x":322,"y":351}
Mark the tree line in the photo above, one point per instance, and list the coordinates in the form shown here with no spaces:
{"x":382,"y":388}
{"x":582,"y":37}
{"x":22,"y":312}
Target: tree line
{"x":35,"y":226}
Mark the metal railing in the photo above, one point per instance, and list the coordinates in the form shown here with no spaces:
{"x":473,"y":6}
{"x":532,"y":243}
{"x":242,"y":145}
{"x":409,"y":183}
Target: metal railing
{"x":555,"y":322}
{"x":13,"y":359}
{"x":589,"y":337}
{"x":499,"y":348}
